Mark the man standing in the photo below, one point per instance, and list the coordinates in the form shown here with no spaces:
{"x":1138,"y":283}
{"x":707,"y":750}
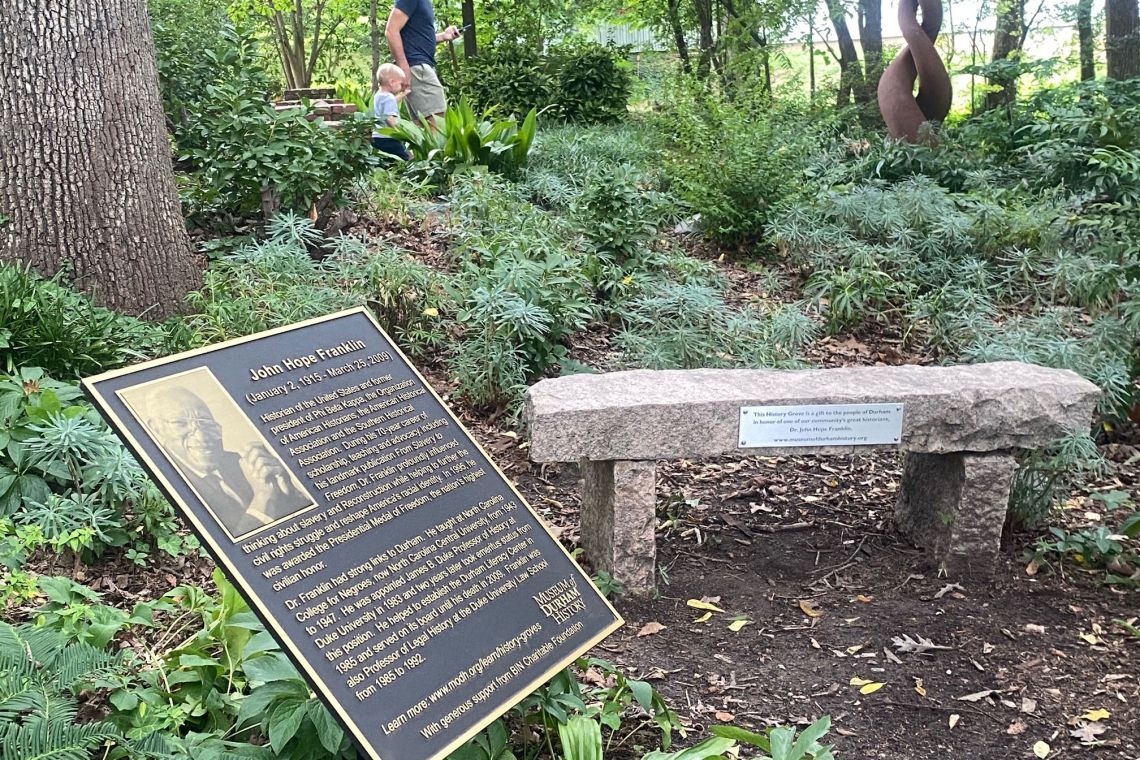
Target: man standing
{"x":412,"y":40}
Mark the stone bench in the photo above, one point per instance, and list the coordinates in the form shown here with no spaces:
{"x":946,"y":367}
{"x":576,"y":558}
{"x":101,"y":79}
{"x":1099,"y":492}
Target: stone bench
{"x":961,"y":427}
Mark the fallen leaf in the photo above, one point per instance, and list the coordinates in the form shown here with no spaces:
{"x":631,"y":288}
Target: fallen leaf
{"x":736,"y":625}
{"x":703,"y":605}
{"x":725,"y":717}
{"x":919,"y":687}
{"x":650,"y":628}
{"x":1041,"y":750}
{"x":431,"y":312}
{"x":810,"y":608}
{"x":954,"y":718}
{"x":923,"y":645}
{"x":977,"y":696}
{"x":947,"y":589}
{"x":854,"y":649}
{"x":814,"y":644}
{"x":857,"y":681}
{"x":1089,"y":638}
{"x":891,"y":656}
{"x":1088,"y":733}
{"x":1098,"y":714}
{"x":871,"y":688}
{"x":703,"y":618}
{"x":594,"y":676}
{"x":1032,"y":568}
{"x":864,"y":599}
{"x":1016,"y":728}
{"x":1028,"y":705}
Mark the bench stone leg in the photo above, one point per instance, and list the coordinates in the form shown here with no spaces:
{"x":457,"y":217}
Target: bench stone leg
{"x":619,"y":518}
{"x":954,"y":505}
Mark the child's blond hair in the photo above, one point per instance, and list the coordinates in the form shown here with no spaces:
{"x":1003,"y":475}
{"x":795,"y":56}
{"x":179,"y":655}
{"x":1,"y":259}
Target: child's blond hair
{"x":388,"y":71}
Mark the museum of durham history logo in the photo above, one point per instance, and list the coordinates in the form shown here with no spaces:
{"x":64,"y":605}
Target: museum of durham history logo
{"x":561,"y":601}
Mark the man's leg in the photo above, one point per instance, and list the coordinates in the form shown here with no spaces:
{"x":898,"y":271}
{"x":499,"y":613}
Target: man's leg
{"x":427,"y":98}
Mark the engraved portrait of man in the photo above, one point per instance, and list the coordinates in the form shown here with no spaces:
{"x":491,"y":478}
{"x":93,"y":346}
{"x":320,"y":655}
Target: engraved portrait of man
{"x":216,"y":449}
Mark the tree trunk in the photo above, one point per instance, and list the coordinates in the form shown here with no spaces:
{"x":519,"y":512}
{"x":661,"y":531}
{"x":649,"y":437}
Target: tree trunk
{"x":1085,"y":39}
{"x":86,"y":178}
{"x":850,"y":75}
{"x":374,"y":40}
{"x":871,"y":35}
{"x":674,"y":13}
{"x":1122,"y":39}
{"x":1007,"y":41}
{"x":705,"y":25}
{"x":470,"y":43}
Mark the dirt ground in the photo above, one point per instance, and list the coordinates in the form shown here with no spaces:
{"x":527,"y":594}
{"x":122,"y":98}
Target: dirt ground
{"x":1020,"y":658}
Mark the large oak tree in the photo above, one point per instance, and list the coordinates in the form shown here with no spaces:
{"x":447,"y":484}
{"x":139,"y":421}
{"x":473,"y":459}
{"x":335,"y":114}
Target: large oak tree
{"x":86,"y":181}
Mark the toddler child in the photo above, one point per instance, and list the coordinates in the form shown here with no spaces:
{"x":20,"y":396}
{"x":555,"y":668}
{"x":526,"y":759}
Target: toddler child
{"x":386,"y":110}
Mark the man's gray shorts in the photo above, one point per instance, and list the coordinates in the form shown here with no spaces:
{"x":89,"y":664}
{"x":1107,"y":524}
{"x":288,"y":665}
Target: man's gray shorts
{"x":427,"y":96}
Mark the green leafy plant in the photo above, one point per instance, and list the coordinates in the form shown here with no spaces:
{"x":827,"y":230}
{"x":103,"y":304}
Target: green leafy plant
{"x":672,"y":325}
{"x":781,"y":743}
{"x":511,"y":78}
{"x":252,"y":159}
{"x":462,"y":140}
{"x":47,"y":324}
{"x":265,"y":285}
{"x":593,"y":86}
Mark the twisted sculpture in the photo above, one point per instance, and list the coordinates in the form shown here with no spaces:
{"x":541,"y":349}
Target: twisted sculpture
{"x":903,"y":111}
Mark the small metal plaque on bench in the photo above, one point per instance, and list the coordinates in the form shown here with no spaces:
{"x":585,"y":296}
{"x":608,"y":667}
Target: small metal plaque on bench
{"x":820,"y":425}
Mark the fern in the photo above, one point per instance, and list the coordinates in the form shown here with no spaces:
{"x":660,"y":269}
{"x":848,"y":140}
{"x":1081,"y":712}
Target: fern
{"x":40,"y":673}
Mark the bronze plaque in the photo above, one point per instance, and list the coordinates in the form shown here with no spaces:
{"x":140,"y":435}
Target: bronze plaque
{"x":394,"y":562}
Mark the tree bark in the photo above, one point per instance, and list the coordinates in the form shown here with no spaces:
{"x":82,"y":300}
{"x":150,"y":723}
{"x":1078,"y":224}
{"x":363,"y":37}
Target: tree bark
{"x":705,"y":26}
{"x":1085,"y":39}
{"x":86,"y":178}
{"x":1008,"y":34}
{"x":674,"y":13}
{"x":470,"y":42}
{"x":1122,"y":38}
{"x":871,"y":35}
{"x":850,"y":75}
{"x":374,"y":41}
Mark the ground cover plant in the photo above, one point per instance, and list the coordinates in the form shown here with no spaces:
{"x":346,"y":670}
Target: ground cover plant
{"x":742,"y":211}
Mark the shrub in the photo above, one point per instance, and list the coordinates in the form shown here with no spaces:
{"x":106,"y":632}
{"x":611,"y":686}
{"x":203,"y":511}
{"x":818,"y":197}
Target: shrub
{"x":593,"y":86}
{"x":685,"y":326}
{"x":407,"y":297}
{"x":585,"y":82}
{"x":265,"y":285}
{"x":197,"y":46}
{"x":734,"y":166}
{"x":508,"y":77}
{"x":66,"y":483}
{"x":521,"y":289}
{"x":46,"y":324}
{"x":252,"y":158}
{"x":615,"y":214}
{"x":41,"y":676}
{"x":567,"y":159}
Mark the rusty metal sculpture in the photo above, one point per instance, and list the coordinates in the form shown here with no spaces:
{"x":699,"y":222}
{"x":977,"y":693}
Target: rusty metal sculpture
{"x":903,"y":111}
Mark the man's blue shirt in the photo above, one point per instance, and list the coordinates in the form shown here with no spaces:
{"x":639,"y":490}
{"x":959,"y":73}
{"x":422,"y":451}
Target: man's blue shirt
{"x":418,"y":35}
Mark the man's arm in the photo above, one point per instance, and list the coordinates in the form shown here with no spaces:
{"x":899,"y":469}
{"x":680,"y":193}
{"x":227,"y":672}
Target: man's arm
{"x":396,"y":20}
{"x":447,"y":35}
